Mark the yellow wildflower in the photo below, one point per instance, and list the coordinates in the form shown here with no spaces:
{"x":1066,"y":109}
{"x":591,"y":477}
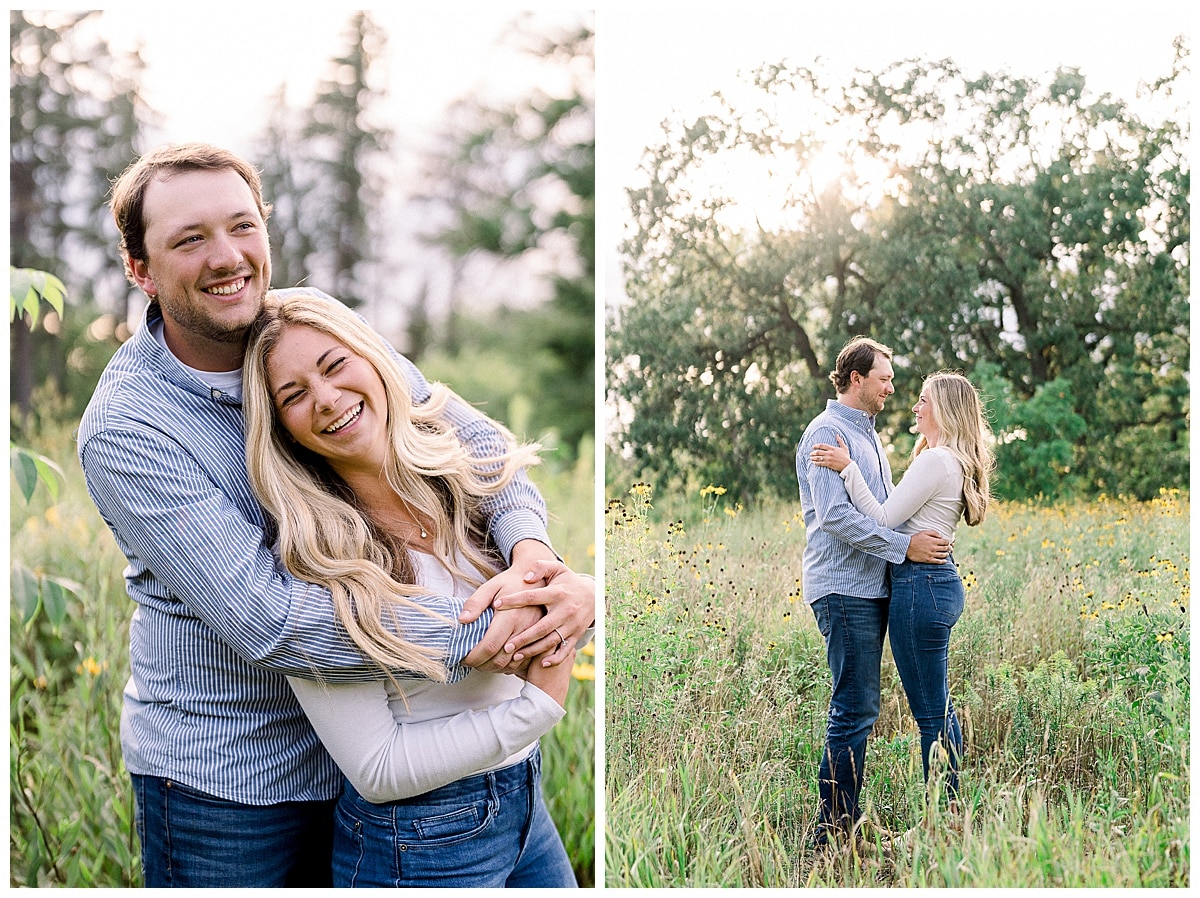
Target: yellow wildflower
{"x":584,"y":672}
{"x":91,"y":666}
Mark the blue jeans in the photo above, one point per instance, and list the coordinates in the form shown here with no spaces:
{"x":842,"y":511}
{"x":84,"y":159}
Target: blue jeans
{"x":191,"y":839}
{"x":854,"y":630}
{"x":486,"y":831}
{"x":927,"y":601}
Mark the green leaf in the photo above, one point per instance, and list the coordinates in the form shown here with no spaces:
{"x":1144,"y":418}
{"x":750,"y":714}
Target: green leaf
{"x":54,"y":598}
{"x":29,"y":468}
{"x":54,"y":292}
{"x":31,"y":305}
{"x":25,"y":469}
{"x":50,"y":474}
{"x":19,"y":288}
{"x":28,"y":286}
{"x":25,"y":592}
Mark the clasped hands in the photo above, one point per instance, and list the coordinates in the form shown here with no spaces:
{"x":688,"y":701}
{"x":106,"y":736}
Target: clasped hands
{"x":541,"y":607}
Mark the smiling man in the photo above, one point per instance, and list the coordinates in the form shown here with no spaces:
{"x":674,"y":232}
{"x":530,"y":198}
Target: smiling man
{"x":206,"y":233}
{"x":232,"y":786}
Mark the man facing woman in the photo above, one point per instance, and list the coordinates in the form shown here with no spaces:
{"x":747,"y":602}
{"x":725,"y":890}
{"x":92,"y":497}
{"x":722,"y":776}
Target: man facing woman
{"x":947,"y":480}
{"x":376,"y":499}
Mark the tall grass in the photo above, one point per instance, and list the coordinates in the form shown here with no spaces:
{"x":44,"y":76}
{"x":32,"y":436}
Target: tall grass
{"x":71,"y":805}
{"x":1069,"y":669}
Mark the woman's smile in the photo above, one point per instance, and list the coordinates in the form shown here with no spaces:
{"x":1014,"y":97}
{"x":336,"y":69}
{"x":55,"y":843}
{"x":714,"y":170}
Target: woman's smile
{"x":345,"y":420}
{"x":329,"y":399}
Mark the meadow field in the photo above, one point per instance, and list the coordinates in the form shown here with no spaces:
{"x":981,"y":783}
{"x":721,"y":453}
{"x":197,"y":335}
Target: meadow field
{"x":1069,"y":667}
{"x":71,"y":805}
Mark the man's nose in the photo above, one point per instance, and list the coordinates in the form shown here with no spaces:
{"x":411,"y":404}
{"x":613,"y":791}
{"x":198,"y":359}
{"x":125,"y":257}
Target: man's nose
{"x":223,"y":253}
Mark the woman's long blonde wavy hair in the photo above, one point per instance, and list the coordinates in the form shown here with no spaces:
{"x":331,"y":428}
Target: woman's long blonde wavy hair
{"x":958,"y":413}
{"x":324,"y":536}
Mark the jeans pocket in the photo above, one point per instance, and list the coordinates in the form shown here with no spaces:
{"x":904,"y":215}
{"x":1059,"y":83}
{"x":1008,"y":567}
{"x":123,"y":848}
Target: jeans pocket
{"x":946,"y":596}
{"x":349,"y":848}
{"x":820,"y":610}
{"x":457,"y":824}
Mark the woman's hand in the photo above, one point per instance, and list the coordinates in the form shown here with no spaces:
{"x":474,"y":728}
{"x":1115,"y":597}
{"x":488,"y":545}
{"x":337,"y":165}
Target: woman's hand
{"x":494,"y":653}
{"x":835,"y":457}
{"x":564,"y":603}
{"x":552,"y":679}
{"x":570,"y":602}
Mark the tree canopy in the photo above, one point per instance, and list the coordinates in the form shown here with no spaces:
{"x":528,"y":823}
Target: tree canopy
{"x":74,"y":116}
{"x":1025,"y":232}
{"x":520,"y":181}
{"x":326,"y":170}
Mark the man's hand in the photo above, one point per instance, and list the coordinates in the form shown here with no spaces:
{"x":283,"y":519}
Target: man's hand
{"x":494,"y":653}
{"x":515,"y":579}
{"x":928,"y":547}
{"x":537,"y":584}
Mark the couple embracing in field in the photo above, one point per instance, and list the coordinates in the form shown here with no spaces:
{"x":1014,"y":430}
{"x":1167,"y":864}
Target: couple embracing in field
{"x":878,"y":561}
{"x":351,"y":629}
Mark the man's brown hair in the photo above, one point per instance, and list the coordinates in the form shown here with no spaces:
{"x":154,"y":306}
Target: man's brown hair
{"x":857,"y":355}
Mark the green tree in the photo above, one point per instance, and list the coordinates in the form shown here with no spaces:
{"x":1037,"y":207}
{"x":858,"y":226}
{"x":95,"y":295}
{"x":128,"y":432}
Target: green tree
{"x":520,"y":180}
{"x":36,"y":591}
{"x":325,"y":170}
{"x":1036,"y":438}
{"x":1047,"y":232}
{"x":284,"y":170}
{"x":349,"y":148}
{"x":1025,"y":224}
{"x":74,"y":119}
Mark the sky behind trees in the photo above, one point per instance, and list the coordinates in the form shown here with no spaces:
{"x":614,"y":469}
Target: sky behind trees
{"x":214,"y":84}
{"x":651,"y":60}
{"x":658,"y":60}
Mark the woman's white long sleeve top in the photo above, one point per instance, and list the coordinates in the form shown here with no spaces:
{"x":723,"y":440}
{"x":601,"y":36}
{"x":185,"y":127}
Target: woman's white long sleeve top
{"x":928,"y":497}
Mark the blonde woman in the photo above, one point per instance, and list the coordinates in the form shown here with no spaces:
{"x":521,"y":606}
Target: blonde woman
{"x":947,"y":480}
{"x":376,"y":500}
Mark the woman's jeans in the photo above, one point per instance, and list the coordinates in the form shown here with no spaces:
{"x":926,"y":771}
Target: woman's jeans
{"x":486,"y":831}
{"x":854,"y":629}
{"x":192,"y":839}
{"x":927,"y":601}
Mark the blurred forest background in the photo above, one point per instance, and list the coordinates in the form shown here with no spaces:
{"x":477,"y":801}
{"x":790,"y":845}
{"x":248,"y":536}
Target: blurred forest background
{"x":506,"y":197}
{"x":1026,"y":231}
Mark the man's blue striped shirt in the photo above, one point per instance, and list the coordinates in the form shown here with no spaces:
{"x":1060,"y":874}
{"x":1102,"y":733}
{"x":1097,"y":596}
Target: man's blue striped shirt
{"x":846,"y":552}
